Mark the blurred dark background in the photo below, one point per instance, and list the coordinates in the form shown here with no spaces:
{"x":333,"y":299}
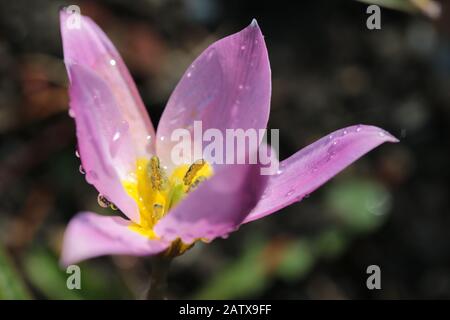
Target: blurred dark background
{"x":391,"y":208}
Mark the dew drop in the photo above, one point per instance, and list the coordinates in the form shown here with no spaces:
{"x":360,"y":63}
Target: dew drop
{"x":344,"y":132}
{"x":279,"y":171}
{"x":71,"y":113}
{"x":189,"y":74}
{"x":77,"y":154}
{"x":358,"y":128}
{"x":103,"y":201}
{"x":266,"y":193}
{"x":81,"y":169}
{"x":162,"y":138}
{"x":121,"y":129}
{"x":242,"y":47}
{"x":112,"y":62}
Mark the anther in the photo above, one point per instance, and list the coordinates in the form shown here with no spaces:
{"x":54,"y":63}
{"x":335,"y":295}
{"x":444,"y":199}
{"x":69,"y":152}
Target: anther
{"x":157,"y":177}
{"x":192,"y":171}
{"x":195,"y":184}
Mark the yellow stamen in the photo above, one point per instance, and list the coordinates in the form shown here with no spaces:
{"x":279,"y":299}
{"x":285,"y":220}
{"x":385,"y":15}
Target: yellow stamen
{"x":156,"y":193}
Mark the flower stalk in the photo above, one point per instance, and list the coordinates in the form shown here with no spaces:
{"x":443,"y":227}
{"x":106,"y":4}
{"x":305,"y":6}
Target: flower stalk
{"x":157,"y":289}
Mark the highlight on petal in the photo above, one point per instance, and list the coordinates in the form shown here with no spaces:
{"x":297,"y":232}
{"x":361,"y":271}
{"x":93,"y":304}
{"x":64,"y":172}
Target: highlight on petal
{"x":228,"y":86}
{"x":104,"y":142}
{"x":217,"y":207}
{"x":91,"y":235}
{"x":311,"y":167}
{"x":86,"y":44}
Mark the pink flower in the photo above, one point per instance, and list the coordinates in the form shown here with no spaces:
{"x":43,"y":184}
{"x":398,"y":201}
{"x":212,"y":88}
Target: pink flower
{"x":170,"y":207}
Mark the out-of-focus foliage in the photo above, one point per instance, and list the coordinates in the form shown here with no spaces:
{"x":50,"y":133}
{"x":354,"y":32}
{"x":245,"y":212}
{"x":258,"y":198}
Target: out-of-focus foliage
{"x":49,"y":278}
{"x":360,"y":204}
{"x":11,"y":284}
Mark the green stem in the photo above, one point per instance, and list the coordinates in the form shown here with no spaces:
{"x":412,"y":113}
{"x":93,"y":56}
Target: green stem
{"x":158,"y":278}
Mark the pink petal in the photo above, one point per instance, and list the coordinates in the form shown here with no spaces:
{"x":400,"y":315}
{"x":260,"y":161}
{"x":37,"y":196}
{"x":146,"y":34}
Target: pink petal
{"x":90,"y":47}
{"x":314,"y":165}
{"x":104,"y":142}
{"x":91,"y":235}
{"x":228,"y":86}
{"x":217,"y":207}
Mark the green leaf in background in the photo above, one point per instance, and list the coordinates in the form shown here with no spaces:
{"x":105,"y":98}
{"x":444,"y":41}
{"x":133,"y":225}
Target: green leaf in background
{"x":331,"y":243}
{"x":360,"y":204}
{"x":243,"y":277}
{"x":11,"y":285}
{"x":45,"y":273}
{"x":297,"y":260}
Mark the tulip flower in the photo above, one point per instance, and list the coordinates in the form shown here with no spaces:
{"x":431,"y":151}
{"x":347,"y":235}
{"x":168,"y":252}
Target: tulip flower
{"x":166,"y":207}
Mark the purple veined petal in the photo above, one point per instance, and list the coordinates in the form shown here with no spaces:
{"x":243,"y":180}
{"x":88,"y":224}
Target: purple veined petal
{"x":311,"y":167}
{"x":228,"y":86}
{"x":106,"y":152}
{"x":86,"y":44}
{"x":91,"y":235}
{"x":217,"y":207}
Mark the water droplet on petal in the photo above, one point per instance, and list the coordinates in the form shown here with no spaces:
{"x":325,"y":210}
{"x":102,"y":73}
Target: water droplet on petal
{"x":358,"y":128}
{"x":103,"y":201}
{"x":344,"y":132}
{"x":189,"y":74}
{"x":77,"y":154}
{"x":120,"y":131}
{"x":279,"y":171}
{"x":112,"y":62}
{"x":71,"y":113}
{"x":81,"y":169}
{"x":242,"y":47}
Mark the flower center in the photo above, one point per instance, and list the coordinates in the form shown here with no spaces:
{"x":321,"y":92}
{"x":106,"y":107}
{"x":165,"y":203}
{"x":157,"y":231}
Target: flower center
{"x":156,"y":193}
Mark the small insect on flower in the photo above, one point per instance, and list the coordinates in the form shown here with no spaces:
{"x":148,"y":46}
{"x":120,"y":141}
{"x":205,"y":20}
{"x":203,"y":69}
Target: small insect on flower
{"x":168,"y":206}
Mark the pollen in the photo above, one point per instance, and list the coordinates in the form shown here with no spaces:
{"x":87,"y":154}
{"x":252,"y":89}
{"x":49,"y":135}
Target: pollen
{"x":156,"y":192}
